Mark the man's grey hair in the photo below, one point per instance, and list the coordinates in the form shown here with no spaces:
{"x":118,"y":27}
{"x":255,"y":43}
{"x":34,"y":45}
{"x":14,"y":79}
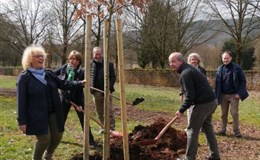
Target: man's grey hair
{"x":180,"y":57}
{"x":97,"y":49}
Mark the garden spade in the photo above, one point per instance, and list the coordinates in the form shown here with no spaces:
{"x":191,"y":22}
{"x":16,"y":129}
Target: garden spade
{"x":153,"y":141}
{"x":112,"y":132}
{"x":134,"y":103}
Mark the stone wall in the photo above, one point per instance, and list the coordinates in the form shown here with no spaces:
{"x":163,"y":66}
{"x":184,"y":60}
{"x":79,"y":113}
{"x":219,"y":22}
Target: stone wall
{"x":167,"y":78}
{"x":170,"y":78}
{"x":12,"y":71}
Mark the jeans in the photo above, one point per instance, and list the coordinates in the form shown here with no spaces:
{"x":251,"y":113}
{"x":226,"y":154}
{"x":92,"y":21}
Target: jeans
{"x":66,"y":108}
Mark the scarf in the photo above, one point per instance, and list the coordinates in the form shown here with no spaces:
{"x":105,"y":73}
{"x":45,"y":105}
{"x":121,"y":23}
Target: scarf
{"x":71,"y":73}
{"x":39,"y":74}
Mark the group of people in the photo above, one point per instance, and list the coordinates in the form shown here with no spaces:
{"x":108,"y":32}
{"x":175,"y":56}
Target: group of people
{"x":44,"y":96}
{"x":200,"y":100}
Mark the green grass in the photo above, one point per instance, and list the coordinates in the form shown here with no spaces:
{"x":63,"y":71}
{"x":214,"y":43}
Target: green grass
{"x":7,"y":81}
{"x":156,"y":98}
{"x":16,"y":146}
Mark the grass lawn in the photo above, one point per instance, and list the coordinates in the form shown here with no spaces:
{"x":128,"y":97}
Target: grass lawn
{"x":16,"y":146}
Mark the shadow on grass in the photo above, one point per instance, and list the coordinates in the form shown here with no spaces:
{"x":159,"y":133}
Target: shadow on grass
{"x":72,"y":143}
{"x":249,"y":138}
{"x":246,"y":137}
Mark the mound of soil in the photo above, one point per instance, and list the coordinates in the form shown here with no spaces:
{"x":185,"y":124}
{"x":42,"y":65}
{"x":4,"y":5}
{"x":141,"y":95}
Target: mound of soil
{"x":168,"y":147}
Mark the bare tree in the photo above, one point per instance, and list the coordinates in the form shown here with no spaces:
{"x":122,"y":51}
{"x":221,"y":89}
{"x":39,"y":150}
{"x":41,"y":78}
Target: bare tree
{"x":28,"y":20}
{"x":171,"y":25}
{"x":106,"y":10}
{"x":239,"y":20}
{"x":64,"y":30}
{"x":191,"y":25}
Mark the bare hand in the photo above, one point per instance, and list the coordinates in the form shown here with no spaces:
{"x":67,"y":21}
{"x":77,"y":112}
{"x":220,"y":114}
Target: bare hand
{"x":79,"y":109}
{"x":84,"y":82}
{"x":237,"y":96}
{"x":178,"y":114}
{"x":22,"y":128}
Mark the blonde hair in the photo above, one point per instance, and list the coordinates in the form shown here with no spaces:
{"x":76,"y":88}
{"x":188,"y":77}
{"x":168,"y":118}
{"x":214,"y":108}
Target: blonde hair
{"x":77,"y":55}
{"x":197,"y":56}
{"x":29,"y":52}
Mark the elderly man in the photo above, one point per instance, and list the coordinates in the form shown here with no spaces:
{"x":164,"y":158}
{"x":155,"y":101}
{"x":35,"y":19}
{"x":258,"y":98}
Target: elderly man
{"x":97,"y":81}
{"x":197,"y":92}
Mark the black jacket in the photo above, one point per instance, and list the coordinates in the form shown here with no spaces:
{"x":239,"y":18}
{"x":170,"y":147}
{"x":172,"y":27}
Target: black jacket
{"x":195,"y":87}
{"x":97,"y":76}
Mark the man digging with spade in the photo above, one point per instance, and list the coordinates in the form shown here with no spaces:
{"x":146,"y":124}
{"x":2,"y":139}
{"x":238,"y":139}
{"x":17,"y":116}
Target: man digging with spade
{"x":199,"y":93}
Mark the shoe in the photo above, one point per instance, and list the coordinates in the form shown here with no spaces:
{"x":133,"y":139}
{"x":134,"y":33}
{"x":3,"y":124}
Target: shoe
{"x":221,"y":133}
{"x":238,"y":135}
{"x":93,"y":145}
{"x":210,"y":158}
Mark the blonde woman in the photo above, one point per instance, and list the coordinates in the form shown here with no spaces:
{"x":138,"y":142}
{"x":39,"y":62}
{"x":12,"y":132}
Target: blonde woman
{"x":194,"y":59}
{"x":38,"y":102}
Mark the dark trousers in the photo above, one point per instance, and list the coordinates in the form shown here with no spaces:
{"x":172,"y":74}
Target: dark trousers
{"x":47,"y":142}
{"x":201,"y":117}
{"x":66,"y":109}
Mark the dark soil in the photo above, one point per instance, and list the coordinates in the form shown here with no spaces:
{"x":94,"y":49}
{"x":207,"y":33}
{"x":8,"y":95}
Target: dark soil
{"x":168,"y":147}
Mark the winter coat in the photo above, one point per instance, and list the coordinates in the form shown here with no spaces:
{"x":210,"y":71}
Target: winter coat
{"x":93,"y":76}
{"x":75,"y":95}
{"x":239,"y":81}
{"x":34,"y":100}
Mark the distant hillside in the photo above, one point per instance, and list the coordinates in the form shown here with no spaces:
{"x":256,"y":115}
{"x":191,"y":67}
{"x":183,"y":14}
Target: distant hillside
{"x":221,"y":37}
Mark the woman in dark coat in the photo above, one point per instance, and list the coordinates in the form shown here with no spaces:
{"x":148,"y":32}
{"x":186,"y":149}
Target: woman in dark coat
{"x":38,"y":103}
{"x":70,"y":72}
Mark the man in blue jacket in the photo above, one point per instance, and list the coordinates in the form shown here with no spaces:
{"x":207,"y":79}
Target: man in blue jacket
{"x":230,"y":86}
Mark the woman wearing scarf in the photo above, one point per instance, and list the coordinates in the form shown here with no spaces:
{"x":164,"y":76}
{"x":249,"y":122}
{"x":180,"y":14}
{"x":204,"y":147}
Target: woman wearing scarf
{"x":38,"y":104}
{"x":72,"y":71}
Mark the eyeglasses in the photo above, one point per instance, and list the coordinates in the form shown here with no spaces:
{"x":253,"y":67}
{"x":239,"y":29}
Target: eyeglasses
{"x":39,"y":56}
